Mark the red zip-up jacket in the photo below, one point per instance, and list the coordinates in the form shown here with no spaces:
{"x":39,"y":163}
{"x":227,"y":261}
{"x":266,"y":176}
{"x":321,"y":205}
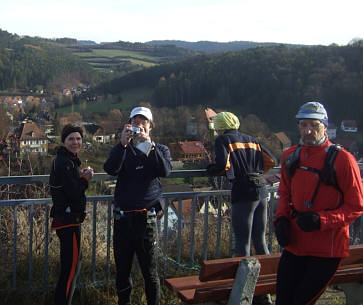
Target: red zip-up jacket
{"x":336,"y":210}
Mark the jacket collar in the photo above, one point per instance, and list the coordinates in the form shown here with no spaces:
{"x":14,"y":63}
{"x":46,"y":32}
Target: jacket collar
{"x":61,"y":150}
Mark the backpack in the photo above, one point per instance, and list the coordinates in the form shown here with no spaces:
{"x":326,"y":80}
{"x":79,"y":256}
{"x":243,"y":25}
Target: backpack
{"x":327,"y":174}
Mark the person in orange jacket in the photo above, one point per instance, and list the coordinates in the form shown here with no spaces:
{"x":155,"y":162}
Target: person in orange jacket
{"x":312,"y":219}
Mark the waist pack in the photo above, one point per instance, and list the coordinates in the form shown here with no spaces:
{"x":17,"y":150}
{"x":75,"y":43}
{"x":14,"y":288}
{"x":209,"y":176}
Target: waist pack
{"x":256,"y":179}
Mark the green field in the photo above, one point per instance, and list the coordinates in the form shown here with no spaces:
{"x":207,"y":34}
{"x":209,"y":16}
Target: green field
{"x":130,"y":98}
{"x":115,"y":53}
{"x":105,"y":59}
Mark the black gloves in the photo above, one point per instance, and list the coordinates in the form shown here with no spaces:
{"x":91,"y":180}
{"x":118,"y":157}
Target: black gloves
{"x":282,"y":231}
{"x":308,"y":221}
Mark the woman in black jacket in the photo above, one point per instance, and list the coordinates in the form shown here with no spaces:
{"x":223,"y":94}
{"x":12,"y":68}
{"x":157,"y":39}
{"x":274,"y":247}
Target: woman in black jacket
{"x":67,"y":187}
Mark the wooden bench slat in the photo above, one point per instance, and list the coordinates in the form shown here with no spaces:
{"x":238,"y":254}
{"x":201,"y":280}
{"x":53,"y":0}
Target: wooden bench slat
{"x":186,"y":283}
{"x":180,"y":283}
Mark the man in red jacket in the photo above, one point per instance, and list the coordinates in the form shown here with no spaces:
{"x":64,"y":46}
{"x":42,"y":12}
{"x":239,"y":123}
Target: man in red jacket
{"x":312,"y":219}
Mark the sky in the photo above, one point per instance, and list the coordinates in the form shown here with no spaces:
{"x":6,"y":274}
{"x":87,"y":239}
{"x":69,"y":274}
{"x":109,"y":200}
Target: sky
{"x":284,"y":21}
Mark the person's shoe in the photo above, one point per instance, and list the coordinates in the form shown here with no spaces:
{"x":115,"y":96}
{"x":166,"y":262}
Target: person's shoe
{"x":262,"y":300}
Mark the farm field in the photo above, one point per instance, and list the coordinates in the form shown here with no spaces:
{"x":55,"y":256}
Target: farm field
{"x":130,"y":98}
{"x":106,"y":59}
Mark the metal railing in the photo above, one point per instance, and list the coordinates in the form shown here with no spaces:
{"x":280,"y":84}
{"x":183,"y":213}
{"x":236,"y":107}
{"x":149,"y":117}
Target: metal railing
{"x":195,"y":226}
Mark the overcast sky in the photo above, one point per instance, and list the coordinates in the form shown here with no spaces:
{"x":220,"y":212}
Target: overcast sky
{"x":286,"y":21}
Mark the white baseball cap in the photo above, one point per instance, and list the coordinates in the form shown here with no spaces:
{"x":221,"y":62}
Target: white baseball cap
{"x":146,"y":112}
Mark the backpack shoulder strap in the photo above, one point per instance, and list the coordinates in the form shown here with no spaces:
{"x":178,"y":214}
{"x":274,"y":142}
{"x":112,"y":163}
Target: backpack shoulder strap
{"x":328,"y":175}
{"x":292,"y":162}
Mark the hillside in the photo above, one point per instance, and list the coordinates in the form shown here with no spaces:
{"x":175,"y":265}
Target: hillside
{"x":215,"y":47}
{"x":271,"y":82}
{"x":30,"y":61}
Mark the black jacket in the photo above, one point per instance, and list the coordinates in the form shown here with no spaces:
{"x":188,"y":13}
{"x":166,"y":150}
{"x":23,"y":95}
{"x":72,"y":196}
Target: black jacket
{"x":243,"y":160}
{"x":138,"y":176}
{"x":66,"y":186}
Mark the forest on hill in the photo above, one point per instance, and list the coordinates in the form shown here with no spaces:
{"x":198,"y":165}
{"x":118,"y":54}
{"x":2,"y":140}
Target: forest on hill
{"x":270,"y":82}
{"x":35,"y":62}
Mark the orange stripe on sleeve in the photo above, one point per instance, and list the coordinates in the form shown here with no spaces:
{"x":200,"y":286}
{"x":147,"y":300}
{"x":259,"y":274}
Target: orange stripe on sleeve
{"x":228,"y":163}
{"x":248,"y":145}
{"x":74,"y":264}
{"x":268,"y":162}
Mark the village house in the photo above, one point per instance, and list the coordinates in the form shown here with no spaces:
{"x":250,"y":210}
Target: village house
{"x":332,"y":131}
{"x":283,"y":140}
{"x":349,"y":145}
{"x":188,"y":151}
{"x":349,"y":126}
{"x":104,"y":132}
{"x":192,"y":127}
{"x":32,"y":139}
{"x":66,"y":92}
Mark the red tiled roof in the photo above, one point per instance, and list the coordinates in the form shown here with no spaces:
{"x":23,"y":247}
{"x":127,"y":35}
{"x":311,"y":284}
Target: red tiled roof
{"x":31,"y":131}
{"x":209,"y":113}
{"x":283,"y":138}
{"x":192,"y":147}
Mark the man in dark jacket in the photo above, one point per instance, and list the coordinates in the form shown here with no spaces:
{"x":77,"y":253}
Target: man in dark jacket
{"x":244,"y":160}
{"x":138,"y":163}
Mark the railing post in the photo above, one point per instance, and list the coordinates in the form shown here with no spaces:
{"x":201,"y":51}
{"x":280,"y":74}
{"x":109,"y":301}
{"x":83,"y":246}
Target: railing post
{"x":165,"y":231}
{"x":46,"y":245}
{"x":271,"y":213}
{"x":231,"y":235}
{"x":31,"y":225}
{"x":205,"y":229}
{"x":179,"y":241}
{"x":108,"y":268}
{"x":15,"y":236}
{"x":192,"y":228}
{"x":94,"y":236}
{"x":219,"y":227}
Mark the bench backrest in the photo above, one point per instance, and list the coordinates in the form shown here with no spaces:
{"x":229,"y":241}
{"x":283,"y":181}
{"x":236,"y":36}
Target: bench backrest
{"x":220,"y":269}
{"x":226,"y":268}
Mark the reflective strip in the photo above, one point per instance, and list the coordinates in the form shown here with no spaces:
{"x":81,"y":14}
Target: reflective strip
{"x":268,"y":162}
{"x":228,"y":163}
{"x":74,"y":264}
{"x":248,"y":145}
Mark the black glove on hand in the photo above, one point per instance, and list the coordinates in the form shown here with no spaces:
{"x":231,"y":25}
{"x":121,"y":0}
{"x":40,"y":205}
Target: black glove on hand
{"x":282,"y":231}
{"x":308,"y":221}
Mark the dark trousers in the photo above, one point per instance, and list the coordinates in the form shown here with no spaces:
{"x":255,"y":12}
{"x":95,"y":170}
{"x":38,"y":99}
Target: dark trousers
{"x":70,"y":261}
{"x":302,"y":279}
{"x":136,"y":233}
{"x":249,"y":222}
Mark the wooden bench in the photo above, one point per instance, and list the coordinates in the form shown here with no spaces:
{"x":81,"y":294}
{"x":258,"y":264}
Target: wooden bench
{"x":216,"y":277}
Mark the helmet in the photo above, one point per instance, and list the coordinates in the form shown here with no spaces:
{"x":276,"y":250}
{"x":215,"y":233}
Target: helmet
{"x":313,"y":111}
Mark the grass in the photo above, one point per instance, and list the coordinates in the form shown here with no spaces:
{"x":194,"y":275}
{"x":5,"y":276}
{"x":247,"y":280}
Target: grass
{"x":115,"y":53}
